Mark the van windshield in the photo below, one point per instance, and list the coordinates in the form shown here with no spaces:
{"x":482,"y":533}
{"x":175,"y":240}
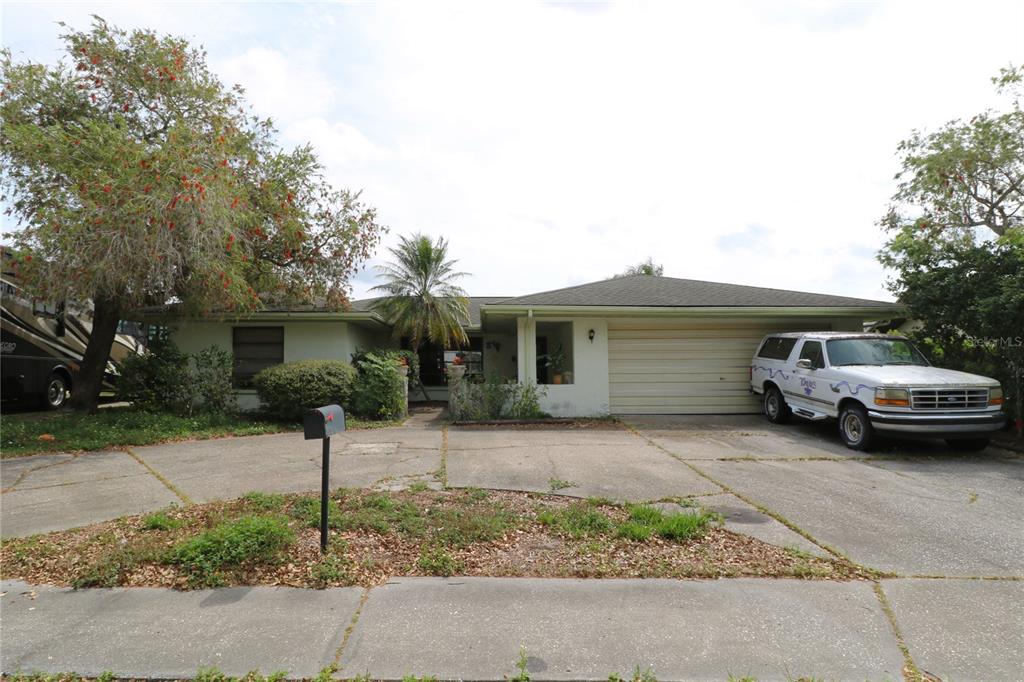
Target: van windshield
{"x":873,"y":352}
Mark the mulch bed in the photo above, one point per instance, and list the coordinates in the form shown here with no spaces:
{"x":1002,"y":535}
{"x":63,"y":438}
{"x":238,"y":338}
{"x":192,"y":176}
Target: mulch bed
{"x":526,"y":548}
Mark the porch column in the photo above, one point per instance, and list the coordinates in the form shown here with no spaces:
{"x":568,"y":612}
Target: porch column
{"x":526,"y":349}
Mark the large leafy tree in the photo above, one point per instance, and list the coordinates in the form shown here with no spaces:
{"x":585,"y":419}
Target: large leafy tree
{"x":420,"y":296}
{"x":956,"y":244}
{"x":138,"y":179}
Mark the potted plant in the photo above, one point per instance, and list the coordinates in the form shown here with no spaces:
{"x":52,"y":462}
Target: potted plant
{"x":555,"y":361}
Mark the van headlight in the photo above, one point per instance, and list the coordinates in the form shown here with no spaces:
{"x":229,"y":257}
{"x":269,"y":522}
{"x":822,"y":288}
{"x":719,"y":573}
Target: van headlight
{"x":995,"y":395}
{"x":896,"y":397}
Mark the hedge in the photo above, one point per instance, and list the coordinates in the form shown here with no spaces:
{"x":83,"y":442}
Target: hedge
{"x":290,"y":389}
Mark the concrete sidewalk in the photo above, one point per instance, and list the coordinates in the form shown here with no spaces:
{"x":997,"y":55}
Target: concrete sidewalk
{"x":473,"y":628}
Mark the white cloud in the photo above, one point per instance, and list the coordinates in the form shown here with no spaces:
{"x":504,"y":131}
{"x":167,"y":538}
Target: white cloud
{"x":554,"y":146}
{"x":277,"y":85}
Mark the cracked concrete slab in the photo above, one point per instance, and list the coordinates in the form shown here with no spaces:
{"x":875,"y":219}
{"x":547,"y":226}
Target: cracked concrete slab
{"x":90,"y":488}
{"x":165,"y":634}
{"x":629,"y":469}
{"x":954,"y":518}
{"x":14,"y":470}
{"x":742,"y":518}
{"x":961,"y":629}
{"x":286,"y":463}
{"x":587,"y":629}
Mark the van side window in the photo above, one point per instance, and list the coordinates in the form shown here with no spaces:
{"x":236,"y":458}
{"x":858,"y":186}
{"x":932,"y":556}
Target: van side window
{"x":776,"y":348}
{"x":812,"y":351}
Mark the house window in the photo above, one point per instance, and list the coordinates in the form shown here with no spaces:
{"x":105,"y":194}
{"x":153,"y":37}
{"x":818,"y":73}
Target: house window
{"x":255,"y":348}
{"x":554,"y":353}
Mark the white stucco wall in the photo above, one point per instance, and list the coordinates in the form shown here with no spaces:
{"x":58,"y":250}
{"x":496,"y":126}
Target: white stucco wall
{"x":501,"y":360}
{"x":587,"y":396}
{"x":303,"y":340}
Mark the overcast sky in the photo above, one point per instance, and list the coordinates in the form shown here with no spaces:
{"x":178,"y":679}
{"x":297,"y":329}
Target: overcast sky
{"x":557,"y":143}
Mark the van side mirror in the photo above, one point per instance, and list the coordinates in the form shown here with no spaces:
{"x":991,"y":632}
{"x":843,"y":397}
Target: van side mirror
{"x":804,"y":363}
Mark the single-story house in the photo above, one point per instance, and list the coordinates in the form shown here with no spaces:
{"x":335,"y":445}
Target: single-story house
{"x":630,"y":345}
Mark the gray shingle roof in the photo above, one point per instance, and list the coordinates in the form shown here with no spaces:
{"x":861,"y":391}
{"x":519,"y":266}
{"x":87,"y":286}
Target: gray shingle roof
{"x":652,"y":291}
{"x":365,"y":305}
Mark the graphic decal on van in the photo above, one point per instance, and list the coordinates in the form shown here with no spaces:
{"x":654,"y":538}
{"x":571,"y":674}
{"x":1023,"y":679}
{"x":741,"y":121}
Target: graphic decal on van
{"x":853,"y":390}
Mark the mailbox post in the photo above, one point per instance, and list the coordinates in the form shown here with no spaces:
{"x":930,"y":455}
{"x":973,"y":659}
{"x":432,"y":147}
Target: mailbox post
{"x":324,"y":422}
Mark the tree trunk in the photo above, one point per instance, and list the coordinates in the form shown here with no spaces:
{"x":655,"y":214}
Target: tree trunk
{"x":85,"y":389}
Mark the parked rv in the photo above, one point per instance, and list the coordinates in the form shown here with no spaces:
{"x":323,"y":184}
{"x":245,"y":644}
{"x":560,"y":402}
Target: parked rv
{"x":42,"y":344}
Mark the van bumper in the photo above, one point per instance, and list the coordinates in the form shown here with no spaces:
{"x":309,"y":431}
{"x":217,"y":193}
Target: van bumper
{"x":953,"y":425}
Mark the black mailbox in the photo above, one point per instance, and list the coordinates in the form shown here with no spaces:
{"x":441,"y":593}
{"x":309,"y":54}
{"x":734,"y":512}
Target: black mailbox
{"x":323,"y":422}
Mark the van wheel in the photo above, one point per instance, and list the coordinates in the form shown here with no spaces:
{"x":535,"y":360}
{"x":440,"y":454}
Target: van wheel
{"x":854,"y":427}
{"x":775,"y":407}
{"x":968,"y":444}
{"x":56,"y":392}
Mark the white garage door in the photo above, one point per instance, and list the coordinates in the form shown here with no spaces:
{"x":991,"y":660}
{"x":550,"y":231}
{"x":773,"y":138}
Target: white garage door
{"x":687,"y":367}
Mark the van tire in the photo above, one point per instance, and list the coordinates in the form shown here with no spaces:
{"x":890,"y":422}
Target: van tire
{"x":775,"y":407}
{"x":855,"y":428}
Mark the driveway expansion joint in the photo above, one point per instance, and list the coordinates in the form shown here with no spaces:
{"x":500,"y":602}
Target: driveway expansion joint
{"x":911,"y":673}
{"x":160,"y":477}
{"x":340,"y":651}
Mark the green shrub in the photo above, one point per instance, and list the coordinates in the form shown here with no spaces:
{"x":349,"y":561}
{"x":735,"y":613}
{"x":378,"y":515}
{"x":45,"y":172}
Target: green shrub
{"x":290,"y":389}
{"x":165,"y":379}
{"x":155,"y":381}
{"x":211,"y":376}
{"x":379,"y":390}
{"x":407,"y":358}
{"x":496,"y":398}
{"x":250,"y":538}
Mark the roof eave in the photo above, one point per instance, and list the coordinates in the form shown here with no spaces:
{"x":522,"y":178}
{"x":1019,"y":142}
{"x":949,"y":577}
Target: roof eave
{"x":269,"y":316}
{"x":696,"y":311}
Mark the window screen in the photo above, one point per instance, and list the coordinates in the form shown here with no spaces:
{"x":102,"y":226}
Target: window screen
{"x":776,"y":348}
{"x":256,"y":348}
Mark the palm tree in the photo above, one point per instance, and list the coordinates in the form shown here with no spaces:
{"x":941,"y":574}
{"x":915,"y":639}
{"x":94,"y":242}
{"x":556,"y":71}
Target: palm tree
{"x":421,"y":300}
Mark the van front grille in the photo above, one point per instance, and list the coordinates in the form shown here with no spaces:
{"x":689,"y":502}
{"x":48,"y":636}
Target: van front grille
{"x":949,"y":398}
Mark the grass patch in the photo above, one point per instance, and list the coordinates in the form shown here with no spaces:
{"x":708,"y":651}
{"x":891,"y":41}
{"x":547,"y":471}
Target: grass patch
{"x":264,"y":502}
{"x":559,"y":484}
{"x":585,"y":519}
{"x":579,"y":519}
{"x":331,"y":570}
{"x":30,"y":434}
{"x":250,"y":538}
{"x":437,"y":561}
{"x":161,"y":520}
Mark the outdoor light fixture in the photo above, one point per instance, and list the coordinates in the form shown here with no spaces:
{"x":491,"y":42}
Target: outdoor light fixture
{"x":591,"y":334}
